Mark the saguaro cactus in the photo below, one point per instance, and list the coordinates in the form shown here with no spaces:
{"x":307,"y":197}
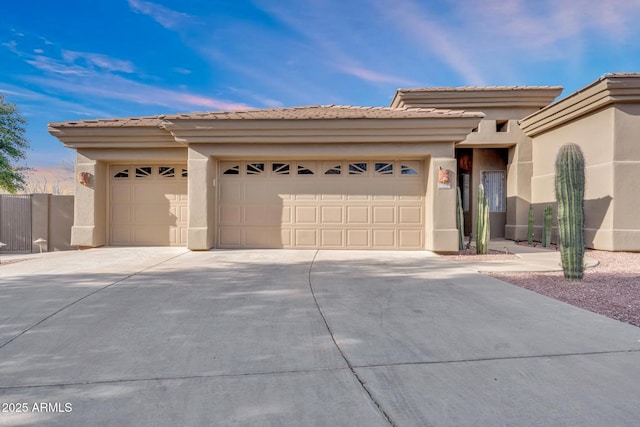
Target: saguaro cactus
{"x":546,"y":226}
{"x":459,"y":219}
{"x":570,"y":196}
{"x":482,"y":223}
{"x":530,"y":227}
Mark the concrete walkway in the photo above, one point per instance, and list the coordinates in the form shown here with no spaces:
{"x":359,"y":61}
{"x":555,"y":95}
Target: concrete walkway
{"x":166,"y":337}
{"x":528,"y":259}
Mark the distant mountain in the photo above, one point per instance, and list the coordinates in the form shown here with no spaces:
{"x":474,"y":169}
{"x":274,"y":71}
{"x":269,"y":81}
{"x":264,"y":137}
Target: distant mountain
{"x":50,"y":179}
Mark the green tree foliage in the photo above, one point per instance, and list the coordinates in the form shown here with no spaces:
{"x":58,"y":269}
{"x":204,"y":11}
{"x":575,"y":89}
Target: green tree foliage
{"x":13,"y":146}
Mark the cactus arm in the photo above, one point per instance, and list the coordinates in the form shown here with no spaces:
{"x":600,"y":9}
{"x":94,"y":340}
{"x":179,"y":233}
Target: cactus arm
{"x":530,"y":226}
{"x":459,"y":219}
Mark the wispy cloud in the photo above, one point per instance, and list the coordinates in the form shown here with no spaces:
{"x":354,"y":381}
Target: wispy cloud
{"x":114,"y":87}
{"x":34,"y":103}
{"x":12,"y":45}
{"x":181,"y":70}
{"x":168,"y":18}
{"x":99,"y":77}
{"x":371,"y":75}
{"x":542,"y":25}
{"x":78,"y":63}
{"x":419,"y":28}
{"x":505,"y":39}
{"x":263,"y":101}
{"x":347,"y":56}
{"x":98,"y":61}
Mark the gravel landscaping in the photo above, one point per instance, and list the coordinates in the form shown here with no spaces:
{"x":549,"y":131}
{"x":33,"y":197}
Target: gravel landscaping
{"x":612,"y":288}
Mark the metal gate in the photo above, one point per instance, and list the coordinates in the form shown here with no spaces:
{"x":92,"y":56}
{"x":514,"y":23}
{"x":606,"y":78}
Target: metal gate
{"x":15,"y":222}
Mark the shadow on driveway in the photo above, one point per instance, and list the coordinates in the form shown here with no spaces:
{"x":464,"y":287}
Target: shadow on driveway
{"x":160,"y":336}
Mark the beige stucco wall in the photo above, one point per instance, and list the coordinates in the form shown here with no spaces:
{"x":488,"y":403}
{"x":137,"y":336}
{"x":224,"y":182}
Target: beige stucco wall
{"x":440,"y":221}
{"x":594,"y":133}
{"x":201,"y":234}
{"x":51,"y":220}
{"x":90,"y":212}
{"x":626,"y":178}
{"x":513,"y":223}
{"x":39,"y":220}
{"x":60,"y":222}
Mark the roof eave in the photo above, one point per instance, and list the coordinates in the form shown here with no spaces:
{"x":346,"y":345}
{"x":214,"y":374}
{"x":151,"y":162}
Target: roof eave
{"x":615,"y":88}
{"x":477,"y":98}
{"x":112,"y":137}
{"x":428,"y":129}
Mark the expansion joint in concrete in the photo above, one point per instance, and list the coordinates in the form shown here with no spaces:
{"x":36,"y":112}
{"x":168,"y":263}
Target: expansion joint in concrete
{"x":82,"y":298}
{"x":363,"y":384}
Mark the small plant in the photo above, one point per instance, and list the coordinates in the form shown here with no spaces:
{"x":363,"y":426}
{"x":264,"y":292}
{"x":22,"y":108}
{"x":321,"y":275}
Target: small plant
{"x":530,"y":227}
{"x":570,"y":196}
{"x":459,"y":219}
{"x":546,"y":226}
{"x":482,"y":223}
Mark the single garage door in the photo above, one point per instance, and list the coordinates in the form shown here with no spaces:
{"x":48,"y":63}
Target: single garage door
{"x":322,"y":204}
{"x":148,"y":205}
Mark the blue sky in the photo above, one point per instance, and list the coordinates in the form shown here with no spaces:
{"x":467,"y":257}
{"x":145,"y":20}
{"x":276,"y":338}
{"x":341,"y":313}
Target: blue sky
{"x":77,"y":59}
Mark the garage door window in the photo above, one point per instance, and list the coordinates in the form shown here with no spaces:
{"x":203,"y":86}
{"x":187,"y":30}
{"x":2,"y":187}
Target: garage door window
{"x":408,"y":170}
{"x":163,"y":172}
{"x":334,"y":170}
{"x":280,"y":168}
{"x":357,"y":168}
{"x":124,"y":173}
{"x":286,"y":169}
{"x":255,"y":168}
{"x":233,"y":170}
{"x":167,"y":172}
{"x":384,"y":168}
{"x":305,"y":170}
{"x":143,"y":172}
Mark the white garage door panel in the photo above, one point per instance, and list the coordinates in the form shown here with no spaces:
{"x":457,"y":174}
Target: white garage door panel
{"x":363,"y":210}
{"x":148,"y":205}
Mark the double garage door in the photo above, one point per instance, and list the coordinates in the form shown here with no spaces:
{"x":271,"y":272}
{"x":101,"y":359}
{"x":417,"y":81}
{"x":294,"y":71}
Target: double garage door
{"x":148,"y":204}
{"x":376,"y":204}
{"x":276,"y":204}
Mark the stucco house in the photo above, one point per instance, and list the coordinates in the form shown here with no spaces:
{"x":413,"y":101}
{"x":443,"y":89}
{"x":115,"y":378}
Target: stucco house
{"x":343,"y":177}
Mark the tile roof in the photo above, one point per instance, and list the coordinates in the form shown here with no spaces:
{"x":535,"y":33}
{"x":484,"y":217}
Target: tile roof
{"x":313,"y":112}
{"x":148,"y":121}
{"x":620,"y":74}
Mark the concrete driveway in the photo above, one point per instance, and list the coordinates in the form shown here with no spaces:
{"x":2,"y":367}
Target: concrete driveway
{"x":166,"y":337}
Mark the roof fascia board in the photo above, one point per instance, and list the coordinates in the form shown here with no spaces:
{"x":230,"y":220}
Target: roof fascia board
{"x":469,"y":98}
{"x":114,"y":154}
{"x":326,"y":131}
{"x":315,"y":151}
{"x":113,"y":137}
